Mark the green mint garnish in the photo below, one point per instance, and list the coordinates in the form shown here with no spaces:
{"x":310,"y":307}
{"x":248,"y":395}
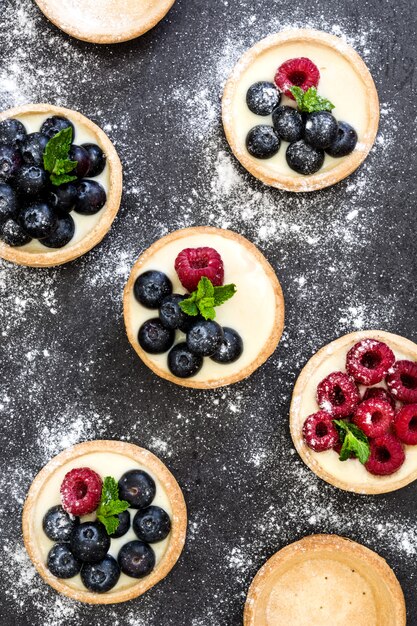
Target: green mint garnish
{"x":309,"y":101}
{"x":206,"y":297}
{"x":110,"y":505}
{"x":353,"y":440}
{"x":55,"y":157}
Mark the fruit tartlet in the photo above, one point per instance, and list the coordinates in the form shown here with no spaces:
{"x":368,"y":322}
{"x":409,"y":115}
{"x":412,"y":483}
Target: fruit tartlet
{"x":104,"y":521}
{"x":325,"y":580}
{"x":353,"y":413}
{"x":300,"y":110}
{"x":60,"y":185}
{"x":203,"y":307}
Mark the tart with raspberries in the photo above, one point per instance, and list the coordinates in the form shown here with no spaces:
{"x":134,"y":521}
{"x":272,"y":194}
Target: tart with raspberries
{"x":203,"y":307}
{"x":353,"y":414}
{"x":300,"y":110}
{"x":104,"y":521}
{"x":60,"y":185}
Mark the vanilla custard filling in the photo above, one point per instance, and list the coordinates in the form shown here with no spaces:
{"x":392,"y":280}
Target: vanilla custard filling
{"x":339,"y":82}
{"x":251,"y":311}
{"x":105,"y":464}
{"x":84,"y":224}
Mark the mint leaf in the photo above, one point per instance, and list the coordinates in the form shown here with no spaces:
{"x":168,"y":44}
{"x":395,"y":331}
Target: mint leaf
{"x":189,"y":307}
{"x":298,"y":94}
{"x":206,"y":297}
{"x":110,"y":505}
{"x":309,"y":101}
{"x":223,"y":293}
{"x":354,"y":441}
{"x":55,"y":157}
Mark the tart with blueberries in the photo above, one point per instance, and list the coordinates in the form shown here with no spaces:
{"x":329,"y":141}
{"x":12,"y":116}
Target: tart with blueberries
{"x":325,"y":580}
{"x":300,"y":110}
{"x":60,"y":185}
{"x":104,"y":521}
{"x":353,"y":414}
{"x":203,"y":307}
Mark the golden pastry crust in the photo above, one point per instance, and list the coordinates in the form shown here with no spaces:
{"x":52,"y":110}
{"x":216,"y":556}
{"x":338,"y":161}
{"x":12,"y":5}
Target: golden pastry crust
{"x":265,"y":351}
{"x":347,"y":164}
{"x":388,"y":598}
{"x":310,"y":458}
{"x":178,"y":520}
{"x":114,"y":194}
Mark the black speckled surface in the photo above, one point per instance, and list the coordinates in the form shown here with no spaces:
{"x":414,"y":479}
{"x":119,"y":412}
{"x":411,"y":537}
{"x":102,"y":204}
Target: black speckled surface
{"x":345,"y":257}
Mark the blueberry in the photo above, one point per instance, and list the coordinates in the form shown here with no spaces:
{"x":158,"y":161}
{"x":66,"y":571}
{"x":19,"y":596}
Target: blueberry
{"x":58,"y":525}
{"x":10,"y":162}
{"x":55,"y":124}
{"x":138,"y":488}
{"x":320,"y":129}
{"x":288,"y":123}
{"x":91,"y":197}
{"x":263,"y":97}
{"x":62,"y":198}
{"x":13,"y":234}
{"x":97,"y":159}
{"x":38,"y":220}
{"x":8,"y":204}
{"x":124,"y":525}
{"x":101,"y":577}
{"x":151,"y":288}
{"x":31,"y":180}
{"x":262,"y":142}
{"x":12,"y":132}
{"x":136,"y":559}
{"x":204,"y":337}
{"x":344,"y":142}
{"x":303,"y":158}
{"x":182,"y":362}
{"x":61,"y":562}
{"x":154,"y":338}
{"x":170,"y":312}
{"x":152,"y":524}
{"x":80,"y":155}
{"x":62,"y":233}
{"x":33,"y":147}
{"x":90,"y":542}
{"x":230,"y":348}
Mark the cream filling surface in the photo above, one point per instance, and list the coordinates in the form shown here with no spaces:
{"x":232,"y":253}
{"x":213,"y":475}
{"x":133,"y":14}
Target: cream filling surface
{"x":251,"y":311}
{"x":105,"y":464}
{"x":84,"y":224}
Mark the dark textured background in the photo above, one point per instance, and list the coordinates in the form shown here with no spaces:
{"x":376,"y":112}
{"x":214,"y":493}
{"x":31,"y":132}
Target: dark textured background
{"x":346,"y":258}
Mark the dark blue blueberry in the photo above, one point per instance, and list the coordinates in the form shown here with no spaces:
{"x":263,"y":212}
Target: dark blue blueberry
{"x":124,"y":524}
{"x":204,"y":337}
{"x":182,"y":362}
{"x":154,"y":338}
{"x":31,"y":180}
{"x":97,"y":159}
{"x":344,"y":142}
{"x":230,"y":348}
{"x":263,"y":97}
{"x":152,"y":524}
{"x":303,"y":158}
{"x":136,"y":559}
{"x":288,"y":123}
{"x":91,"y":197}
{"x":101,"y":577}
{"x":8,"y":204}
{"x":12,"y":233}
{"x":33,"y":147}
{"x":151,"y":288}
{"x":58,"y":525}
{"x":62,"y":234}
{"x":90,"y":542}
{"x":12,"y":132}
{"x":170,"y":312}
{"x":262,"y":142}
{"x":38,"y":220}
{"x":137,"y":488}
{"x":80,"y":155}
{"x":55,"y":124}
{"x":61,"y":562}
{"x":10,"y":162}
{"x":62,"y":197}
{"x":320,"y":129}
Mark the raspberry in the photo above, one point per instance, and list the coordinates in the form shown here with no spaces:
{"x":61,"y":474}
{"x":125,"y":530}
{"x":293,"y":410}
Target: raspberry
{"x":368,"y":361}
{"x":374,"y":417}
{"x":338,"y":395}
{"x":405,"y":424}
{"x":379,"y":392}
{"x":387,"y":455}
{"x":193,"y":263}
{"x":297,"y":73}
{"x":81,"y":491}
{"x":319,"y":432}
{"x":402,"y":381}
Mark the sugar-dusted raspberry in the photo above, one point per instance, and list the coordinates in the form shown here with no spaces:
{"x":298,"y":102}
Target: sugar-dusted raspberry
{"x":405,"y":424}
{"x":387,"y":455}
{"x":81,"y":491}
{"x":319,"y":432}
{"x":299,"y":72}
{"x":374,"y":417}
{"x":193,"y":263}
{"x":368,"y":361}
{"x":379,"y":392}
{"x":338,"y":395}
{"x":402,"y":381}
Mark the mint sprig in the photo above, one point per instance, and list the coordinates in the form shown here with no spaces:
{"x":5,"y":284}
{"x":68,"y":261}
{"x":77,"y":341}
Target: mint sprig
{"x":310,"y":101}
{"x":353,"y":440}
{"x":206,"y":297}
{"x":110,"y":505}
{"x":55,"y":157}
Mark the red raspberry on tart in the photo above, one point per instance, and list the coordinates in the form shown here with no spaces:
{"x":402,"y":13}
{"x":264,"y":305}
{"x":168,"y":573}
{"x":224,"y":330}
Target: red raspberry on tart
{"x":338,"y":395}
{"x":374,"y":417}
{"x":319,"y":432}
{"x":193,"y":263}
{"x":301,"y":72}
{"x":81,"y":491}
{"x":405,"y":424}
{"x":387,"y":455}
{"x":379,"y":392}
{"x":402,"y":381}
{"x":368,"y":361}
